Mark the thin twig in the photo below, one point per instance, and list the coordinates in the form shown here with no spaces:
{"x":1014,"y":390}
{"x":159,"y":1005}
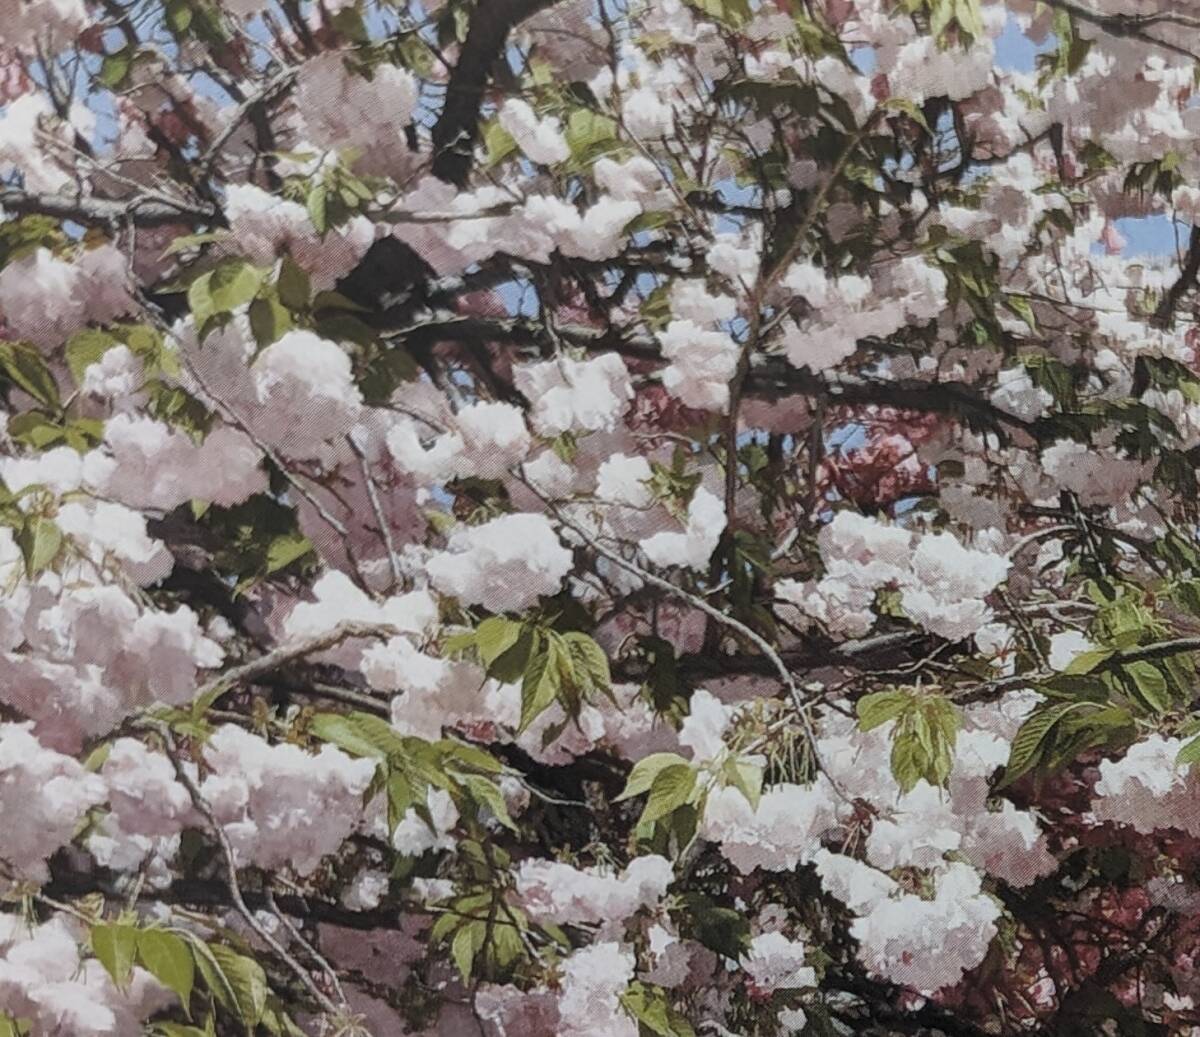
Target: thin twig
{"x":231,"y":875}
{"x":385,"y":531}
{"x":712,"y":612}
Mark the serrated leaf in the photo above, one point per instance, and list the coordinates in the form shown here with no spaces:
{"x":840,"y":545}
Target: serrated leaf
{"x":589,"y":661}
{"x":215,"y":980}
{"x":466,"y":944}
{"x":1027,"y":745}
{"x":495,"y":636}
{"x":542,"y":683}
{"x":1086,"y":662}
{"x":646,"y":770}
{"x":877,"y":709}
{"x":650,"y":1006}
{"x":115,"y":947}
{"x":247,"y":980}
{"x":27,"y":370}
{"x":359,"y":734}
{"x":487,"y":793}
{"x":672,"y":788}
{"x":169,"y":960}
{"x":1151,"y":684}
{"x":40,"y":540}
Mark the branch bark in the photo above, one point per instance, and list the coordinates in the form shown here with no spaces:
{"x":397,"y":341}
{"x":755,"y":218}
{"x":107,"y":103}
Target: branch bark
{"x":457,"y":128}
{"x":103,"y":212}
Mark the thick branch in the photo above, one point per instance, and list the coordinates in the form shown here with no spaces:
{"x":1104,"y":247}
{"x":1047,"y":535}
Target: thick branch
{"x":104,"y":212}
{"x":457,"y":128}
{"x":1164,"y":313}
{"x":1132,"y":26}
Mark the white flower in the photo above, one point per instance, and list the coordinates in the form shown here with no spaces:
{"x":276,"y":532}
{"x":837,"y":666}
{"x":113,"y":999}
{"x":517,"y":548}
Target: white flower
{"x":693,"y":547}
{"x":557,"y":892}
{"x":782,"y":832}
{"x":575,"y":395}
{"x":279,"y":805}
{"x":704,"y":727}
{"x":774,"y":962}
{"x":540,"y":139}
{"x":702,"y":364}
{"x":505,"y":565}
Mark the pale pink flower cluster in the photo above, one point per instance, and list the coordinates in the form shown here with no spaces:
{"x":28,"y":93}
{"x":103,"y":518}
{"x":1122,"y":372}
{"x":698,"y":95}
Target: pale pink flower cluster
{"x":45,"y":979}
{"x":44,"y":797}
{"x":923,"y":943}
{"x":505,"y":565}
{"x":555,"y":891}
{"x":279,"y":805}
{"x":1147,"y":790}
{"x":943,"y":584}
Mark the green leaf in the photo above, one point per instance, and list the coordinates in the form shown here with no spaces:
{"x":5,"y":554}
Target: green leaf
{"x":40,"y":540}
{"x":589,"y":135}
{"x":269,"y":320}
{"x":293,"y":286}
{"x":115,"y":947}
{"x":1151,"y":684}
{"x":115,"y":67}
{"x":487,"y":793}
{"x":542,"y":683}
{"x":1086,"y":662}
{"x":877,"y":709}
{"x":589,"y":661}
{"x":27,"y":370}
{"x":652,"y":1009}
{"x":214,"y":976}
{"x":35,"y":429}
{"x":646,"y":770}
{"x":466,"y":944}
{"x":231,"y":283}
{"x":247,"y":980}
{"x":286,"y":549}
{"x":734,"y":13}
{"x":317,"y":206}
{"x":746,"y":777}
{"x":360,"y":734}
{"x":1028,"y":744}
{"x":498,"y":143}
{"x":1189,"y":753}
{"x":85,"y":348}
{"x":1022,"y":308}
{"x":168,"y":959}
{"x":721,"y":929}
{"x":672,"y":787}
{"x":909,"y":108}
{"x":188,"y":241}
{"x":495,"y":636}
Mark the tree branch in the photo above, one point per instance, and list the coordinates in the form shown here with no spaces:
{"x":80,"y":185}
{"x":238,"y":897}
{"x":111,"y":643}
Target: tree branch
{"x":104,"y":212}
{"x":457,"y":128}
